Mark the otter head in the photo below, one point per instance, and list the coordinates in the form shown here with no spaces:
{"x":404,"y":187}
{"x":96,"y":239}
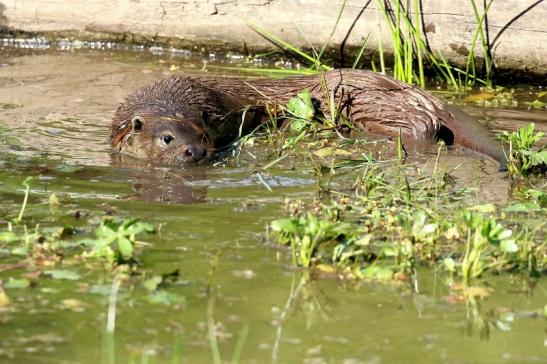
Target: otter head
{"x":165,"y":140}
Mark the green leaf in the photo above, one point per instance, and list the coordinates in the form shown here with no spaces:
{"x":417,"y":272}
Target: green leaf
{"x":377,"y":272}
{"x":165,"y":298}
{"x":63,"y":274}
{"x":486,"y":208}
{"x":505,"y":234}
{"x":134,"y":227}
{"x":390,"y":251}
{"x":17,"y":283}
{"x":449,"y":264}
{"x":538,"y":104}
{"x":152,"y":283}
{"x":121,"y":233}
{"x":22,"y":250}
{"x":299,"y":124}
{"x":503,"y":326}
{"x":538,"y":158}
{"x":522,"y":207}
{"x":509,"y":246}
{"x":53,"y":201}
{"x":301,"y":106}
{"x":9,"y":237}
{"x":284,"y":225}
{"x":324,"y":152}
{"x":106,"y":234}
{"x":125,"y":247}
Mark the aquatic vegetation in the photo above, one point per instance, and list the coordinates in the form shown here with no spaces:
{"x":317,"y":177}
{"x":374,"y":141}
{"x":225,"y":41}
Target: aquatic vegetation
{"x":538,"y":103}
{"x":386,"y":225}
{"x":115,"y":240}
{"x":523,"y":159}
{"x":483,"y":232}
{"x":37,"y":243}
{"x":487,"y":96}
{"x":301,"y":107}
{"x":304,"y":233}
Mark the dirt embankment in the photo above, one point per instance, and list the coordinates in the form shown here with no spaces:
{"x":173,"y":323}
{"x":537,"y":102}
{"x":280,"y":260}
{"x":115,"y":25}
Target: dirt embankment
{"x":516,"y":30}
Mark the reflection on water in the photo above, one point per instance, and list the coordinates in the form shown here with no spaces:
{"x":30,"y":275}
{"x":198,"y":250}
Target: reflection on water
{"x":55,"y":111}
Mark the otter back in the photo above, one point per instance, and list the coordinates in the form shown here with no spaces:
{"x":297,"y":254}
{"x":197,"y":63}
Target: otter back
{"x":373,"y":102}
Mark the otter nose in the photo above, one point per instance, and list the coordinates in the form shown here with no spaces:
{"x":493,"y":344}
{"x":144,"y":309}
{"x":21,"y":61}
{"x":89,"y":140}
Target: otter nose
{"x":195,"y":152}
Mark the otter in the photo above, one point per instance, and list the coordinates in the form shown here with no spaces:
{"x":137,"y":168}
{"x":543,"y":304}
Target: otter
{"x":177,"y":121}
{"x":184,"y":119}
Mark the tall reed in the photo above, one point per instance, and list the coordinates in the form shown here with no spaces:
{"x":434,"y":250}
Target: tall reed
{"x":411,"y":54}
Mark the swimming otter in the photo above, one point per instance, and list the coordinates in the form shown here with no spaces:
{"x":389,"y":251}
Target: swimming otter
{"x":177,"y":121}
{"x":183,"y":119}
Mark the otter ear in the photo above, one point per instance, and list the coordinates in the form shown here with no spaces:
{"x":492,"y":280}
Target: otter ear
{"x":136,"y":124}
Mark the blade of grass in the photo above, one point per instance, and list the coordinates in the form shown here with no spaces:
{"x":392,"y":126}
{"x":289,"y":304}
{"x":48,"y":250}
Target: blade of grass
{"x":361,"y":52}
{"x":26,"y":184}
{"x":266,"y":71}
{"x":418,"y":26}
{"x":236,"y":357}
{"x":274,"y":162}
{"x":379,"y":36}
{"x":408,"y":57}
{"x":485,"y":45}
{"x":478,"y":31}
{"x":285,"y":45}
{"x":448,"y":72}
{"x":213,"y":342}
{"x":342,"y":7}
{"x":264,"y":183}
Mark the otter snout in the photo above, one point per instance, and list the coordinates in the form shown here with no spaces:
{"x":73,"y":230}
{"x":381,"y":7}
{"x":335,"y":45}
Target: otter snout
{"x":192,"y":153}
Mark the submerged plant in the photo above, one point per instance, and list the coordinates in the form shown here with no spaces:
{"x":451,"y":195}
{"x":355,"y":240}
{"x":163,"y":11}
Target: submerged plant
{"x":39,"y":242}
{"x":116,"y":240}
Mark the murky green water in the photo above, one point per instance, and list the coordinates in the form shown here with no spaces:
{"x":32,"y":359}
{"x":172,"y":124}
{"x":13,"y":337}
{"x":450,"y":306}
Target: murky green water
{"x":55,"y":109}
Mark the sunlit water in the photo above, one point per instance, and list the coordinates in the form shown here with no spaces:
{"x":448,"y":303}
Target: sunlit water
{"x":55,"y":110}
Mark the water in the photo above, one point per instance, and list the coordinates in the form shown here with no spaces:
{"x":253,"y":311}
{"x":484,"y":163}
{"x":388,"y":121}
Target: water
{"x":55,"y":110}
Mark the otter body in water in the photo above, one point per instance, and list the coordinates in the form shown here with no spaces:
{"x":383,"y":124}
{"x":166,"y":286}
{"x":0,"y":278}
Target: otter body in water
{"x":183,"y":119}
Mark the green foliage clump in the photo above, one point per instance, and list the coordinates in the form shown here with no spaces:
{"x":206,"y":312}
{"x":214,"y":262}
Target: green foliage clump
{"x":394,"y":219}
{"x":116,"y":240}
{"x":523,"y":159}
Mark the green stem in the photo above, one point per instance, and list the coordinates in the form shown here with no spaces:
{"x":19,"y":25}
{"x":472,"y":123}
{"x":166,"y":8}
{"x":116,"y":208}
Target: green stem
{"x":418,"y":27}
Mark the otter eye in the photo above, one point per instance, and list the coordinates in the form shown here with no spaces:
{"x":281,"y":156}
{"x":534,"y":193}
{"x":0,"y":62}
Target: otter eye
{"x":167,"y":139}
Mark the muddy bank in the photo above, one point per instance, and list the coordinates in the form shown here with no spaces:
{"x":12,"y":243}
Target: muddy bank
{"x":516,"y":30}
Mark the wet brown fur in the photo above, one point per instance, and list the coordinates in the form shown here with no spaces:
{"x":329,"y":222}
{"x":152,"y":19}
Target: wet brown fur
{"x":373,"y":102}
